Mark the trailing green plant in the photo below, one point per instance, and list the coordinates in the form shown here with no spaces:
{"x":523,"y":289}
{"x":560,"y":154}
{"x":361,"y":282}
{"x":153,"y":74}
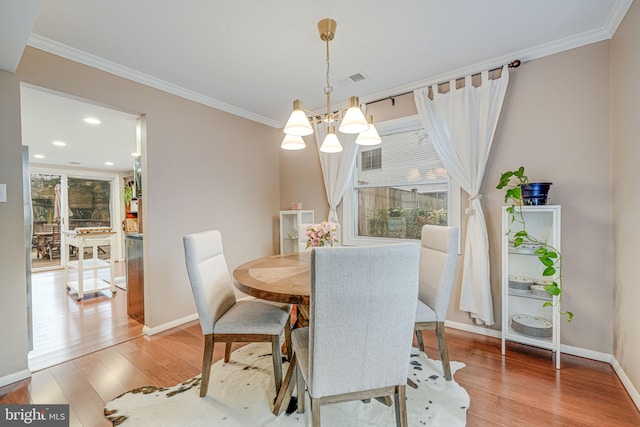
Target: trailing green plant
{"x":128,"y":194}
{"x":549,"y":256}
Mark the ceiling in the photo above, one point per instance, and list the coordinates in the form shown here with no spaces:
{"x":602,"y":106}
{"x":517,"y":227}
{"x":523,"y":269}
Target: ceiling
{"x":253,"y":58}
{"x":48,"y":117}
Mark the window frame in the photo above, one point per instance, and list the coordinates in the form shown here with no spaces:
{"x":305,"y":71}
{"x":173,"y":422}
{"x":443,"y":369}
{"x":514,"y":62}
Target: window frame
{"x":350,"y":200}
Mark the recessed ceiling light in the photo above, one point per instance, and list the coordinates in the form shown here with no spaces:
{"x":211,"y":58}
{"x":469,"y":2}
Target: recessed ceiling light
{"x":135,"y":154}
{"x":92,"y":120}
{"x":108,"y":163}
{"x":38,"y":156}
{"x":59,"y":143}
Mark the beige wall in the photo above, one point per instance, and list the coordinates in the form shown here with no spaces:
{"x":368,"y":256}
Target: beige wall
{"x":301,"y":179}
{"x":205,"y":169}
{"x":556,"y":122}
{"x":626,"y":204}
{"x":13,"y":297}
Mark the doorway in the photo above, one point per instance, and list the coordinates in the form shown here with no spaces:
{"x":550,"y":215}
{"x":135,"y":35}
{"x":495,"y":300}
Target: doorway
{"x":79,"y":156}
{"x":66,"y":201}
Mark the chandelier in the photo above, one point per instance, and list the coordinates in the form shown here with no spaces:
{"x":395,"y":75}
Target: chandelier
{"x":352,"y":122}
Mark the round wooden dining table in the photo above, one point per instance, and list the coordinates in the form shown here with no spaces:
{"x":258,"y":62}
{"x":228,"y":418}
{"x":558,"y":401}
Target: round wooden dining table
{"x":280,"y":278}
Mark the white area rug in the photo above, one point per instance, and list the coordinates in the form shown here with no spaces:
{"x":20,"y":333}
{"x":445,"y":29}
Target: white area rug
{"x":241,"y":393}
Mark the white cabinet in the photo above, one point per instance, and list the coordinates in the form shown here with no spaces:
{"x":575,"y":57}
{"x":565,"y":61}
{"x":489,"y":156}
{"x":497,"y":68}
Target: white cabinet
{"x":524,"y":319}
{"x":292,"y":230}
{"x":93,"y":266}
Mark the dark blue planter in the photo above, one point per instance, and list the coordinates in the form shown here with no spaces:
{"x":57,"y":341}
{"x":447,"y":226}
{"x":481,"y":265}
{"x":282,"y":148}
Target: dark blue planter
{"x":535,"y":193}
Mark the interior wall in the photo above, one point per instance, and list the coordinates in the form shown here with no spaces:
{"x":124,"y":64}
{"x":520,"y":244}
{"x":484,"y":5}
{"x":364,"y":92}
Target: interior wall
{"x":13,"y":297}
{"x":301,"y":181}
{"x":626,"y":163}
{"x":204,"y":169}
{"x":555,"y":121}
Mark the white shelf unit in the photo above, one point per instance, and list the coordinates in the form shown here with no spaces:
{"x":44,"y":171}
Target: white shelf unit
{"x":84,"y":285}
{"x":544,"y":223}
{"x":292,"y":230}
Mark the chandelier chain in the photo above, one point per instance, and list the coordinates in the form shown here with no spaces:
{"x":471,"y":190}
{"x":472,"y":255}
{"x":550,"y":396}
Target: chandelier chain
{"x":328,"y":89}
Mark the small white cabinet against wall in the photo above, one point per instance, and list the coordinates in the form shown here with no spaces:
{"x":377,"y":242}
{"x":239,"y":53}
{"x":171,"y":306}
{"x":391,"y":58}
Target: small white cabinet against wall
{"x":291,"y":229}
{"x":524,"y":319}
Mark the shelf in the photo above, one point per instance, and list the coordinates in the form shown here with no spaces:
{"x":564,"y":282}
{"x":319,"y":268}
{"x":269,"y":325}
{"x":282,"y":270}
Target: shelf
{"x":513,"y":335}
{"x":89,"y":264}
{"x":523,"y":253}
{"x":544,"y":223}
{"x":526,"y":294}
{"x":90,"y":285}
{"x":293,"y":221}
{"x":84,"y":285}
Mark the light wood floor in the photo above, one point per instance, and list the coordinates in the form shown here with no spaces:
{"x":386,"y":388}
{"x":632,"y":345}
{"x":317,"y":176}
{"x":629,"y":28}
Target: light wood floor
{"x":64,"y":328}
{"x":520,"y":389}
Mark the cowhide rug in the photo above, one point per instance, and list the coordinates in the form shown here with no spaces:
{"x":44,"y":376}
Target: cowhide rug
{"x":241,"y":394}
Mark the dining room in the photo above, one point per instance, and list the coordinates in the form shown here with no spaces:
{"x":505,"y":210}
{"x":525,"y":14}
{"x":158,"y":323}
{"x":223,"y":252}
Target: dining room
{"x":209,"y":167}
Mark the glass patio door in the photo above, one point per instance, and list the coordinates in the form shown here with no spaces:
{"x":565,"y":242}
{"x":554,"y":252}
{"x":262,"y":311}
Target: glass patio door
{"x":60,"y":203}
{"x":46,"y":198}
{"x":89,"y":205}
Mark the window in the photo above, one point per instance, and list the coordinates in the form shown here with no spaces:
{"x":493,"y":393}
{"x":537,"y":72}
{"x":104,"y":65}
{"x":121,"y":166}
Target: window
{"x":398,"y":186}
{"x":371,"y":159}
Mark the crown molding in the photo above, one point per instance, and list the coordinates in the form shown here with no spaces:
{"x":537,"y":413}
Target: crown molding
{"x":616,"y":16}
{"x":76,"y":55}
{"x":524,"y":55}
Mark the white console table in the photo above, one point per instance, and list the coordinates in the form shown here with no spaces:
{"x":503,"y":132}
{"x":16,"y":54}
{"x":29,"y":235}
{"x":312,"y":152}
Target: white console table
{"x":83,"y":240}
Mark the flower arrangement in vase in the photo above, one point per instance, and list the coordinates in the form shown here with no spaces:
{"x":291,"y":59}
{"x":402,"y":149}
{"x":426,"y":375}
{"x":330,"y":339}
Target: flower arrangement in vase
{"x":323,"y":234}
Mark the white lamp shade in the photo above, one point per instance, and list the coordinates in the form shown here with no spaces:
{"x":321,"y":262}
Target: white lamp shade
{"x":369,"y":137}
{"x":331,"y":144}
{"x":298,"y":124}
{"x":292,"y":142}
{"x":354,"y":121}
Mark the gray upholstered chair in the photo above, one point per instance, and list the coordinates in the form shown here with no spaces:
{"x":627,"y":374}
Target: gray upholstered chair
{"x":358,"y":342}
{"x":438,"y":260}
{"x":223,"y":318}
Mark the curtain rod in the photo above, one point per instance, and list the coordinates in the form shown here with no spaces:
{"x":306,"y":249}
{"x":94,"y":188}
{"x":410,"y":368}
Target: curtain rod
{"x":513,"y":64}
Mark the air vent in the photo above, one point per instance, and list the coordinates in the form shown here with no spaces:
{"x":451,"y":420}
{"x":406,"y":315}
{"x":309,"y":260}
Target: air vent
{"x":354,"y":78}
{"x":357,"y":77}
{"x":75,"y":163}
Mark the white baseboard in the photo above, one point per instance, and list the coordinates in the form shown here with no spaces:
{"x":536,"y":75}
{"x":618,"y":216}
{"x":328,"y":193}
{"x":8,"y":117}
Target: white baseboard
{"x":161,"y":328}
{"x":587,"y":354}
{"x":480,"y":330}
{"x":15,"y":377}
{"x":626,"y":382}
{"x":567,"y":349}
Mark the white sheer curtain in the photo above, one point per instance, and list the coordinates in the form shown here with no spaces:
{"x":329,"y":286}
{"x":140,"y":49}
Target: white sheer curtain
{"x":461,"y":125}
{"x":336,"y":167}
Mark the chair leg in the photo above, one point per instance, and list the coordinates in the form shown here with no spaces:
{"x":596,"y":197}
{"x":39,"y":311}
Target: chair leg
{"x":206,"y":364}
{"x":315,"y":412}
{"x":227,"y":352}
{"x":420,"y":340}
{"x":300,"y":389}
{"x":401,"y":406}
{"x":277,"y":361}
{"x":444,"y":350}
{"x":287,"y":340}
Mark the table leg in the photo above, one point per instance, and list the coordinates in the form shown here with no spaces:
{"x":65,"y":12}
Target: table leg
{"x":303,"y":316}
{"x":286,"y":388}
{"x":80,"y":271}
{"x":42,"y":241}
